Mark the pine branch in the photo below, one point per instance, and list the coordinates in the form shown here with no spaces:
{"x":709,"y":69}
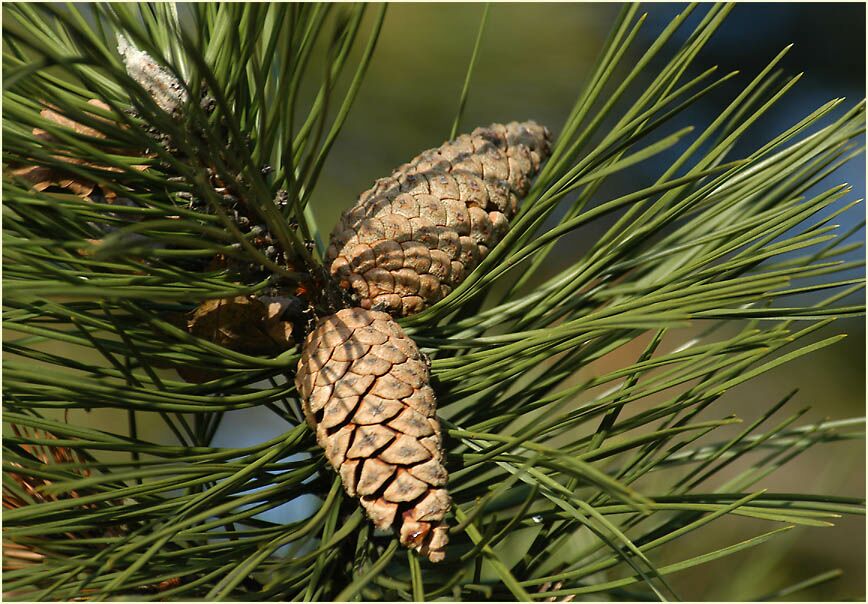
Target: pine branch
{"x":127,"y":220}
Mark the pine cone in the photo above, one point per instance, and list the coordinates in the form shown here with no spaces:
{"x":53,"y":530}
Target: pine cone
{"x":364,"y":387}
{"x":414,"y":236}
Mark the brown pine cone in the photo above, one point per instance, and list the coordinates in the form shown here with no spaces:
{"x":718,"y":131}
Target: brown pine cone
{"x":414,"y":236}
{"x":364,"y":387}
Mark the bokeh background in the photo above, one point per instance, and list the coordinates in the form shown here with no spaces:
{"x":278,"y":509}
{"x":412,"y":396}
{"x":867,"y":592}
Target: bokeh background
{"x":533,"y":62}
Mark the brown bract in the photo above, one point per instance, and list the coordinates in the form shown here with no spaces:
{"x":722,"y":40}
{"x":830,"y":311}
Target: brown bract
{"x":43,"y":177}
{"x":31,"y":490}
{"x":16,"y":555}
{"x":244,"y":324}
{"x":31,"y":483}
{"x":416,"y":235}
{"x":365,"y":390}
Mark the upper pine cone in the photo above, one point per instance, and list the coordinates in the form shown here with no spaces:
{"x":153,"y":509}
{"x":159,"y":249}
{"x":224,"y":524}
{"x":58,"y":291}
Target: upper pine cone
{"x":415,"y":235}
{"x":364,"y":387}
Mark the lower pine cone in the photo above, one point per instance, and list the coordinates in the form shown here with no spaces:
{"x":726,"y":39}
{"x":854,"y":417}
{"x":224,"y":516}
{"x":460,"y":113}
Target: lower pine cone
{"x":365,"y":389}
